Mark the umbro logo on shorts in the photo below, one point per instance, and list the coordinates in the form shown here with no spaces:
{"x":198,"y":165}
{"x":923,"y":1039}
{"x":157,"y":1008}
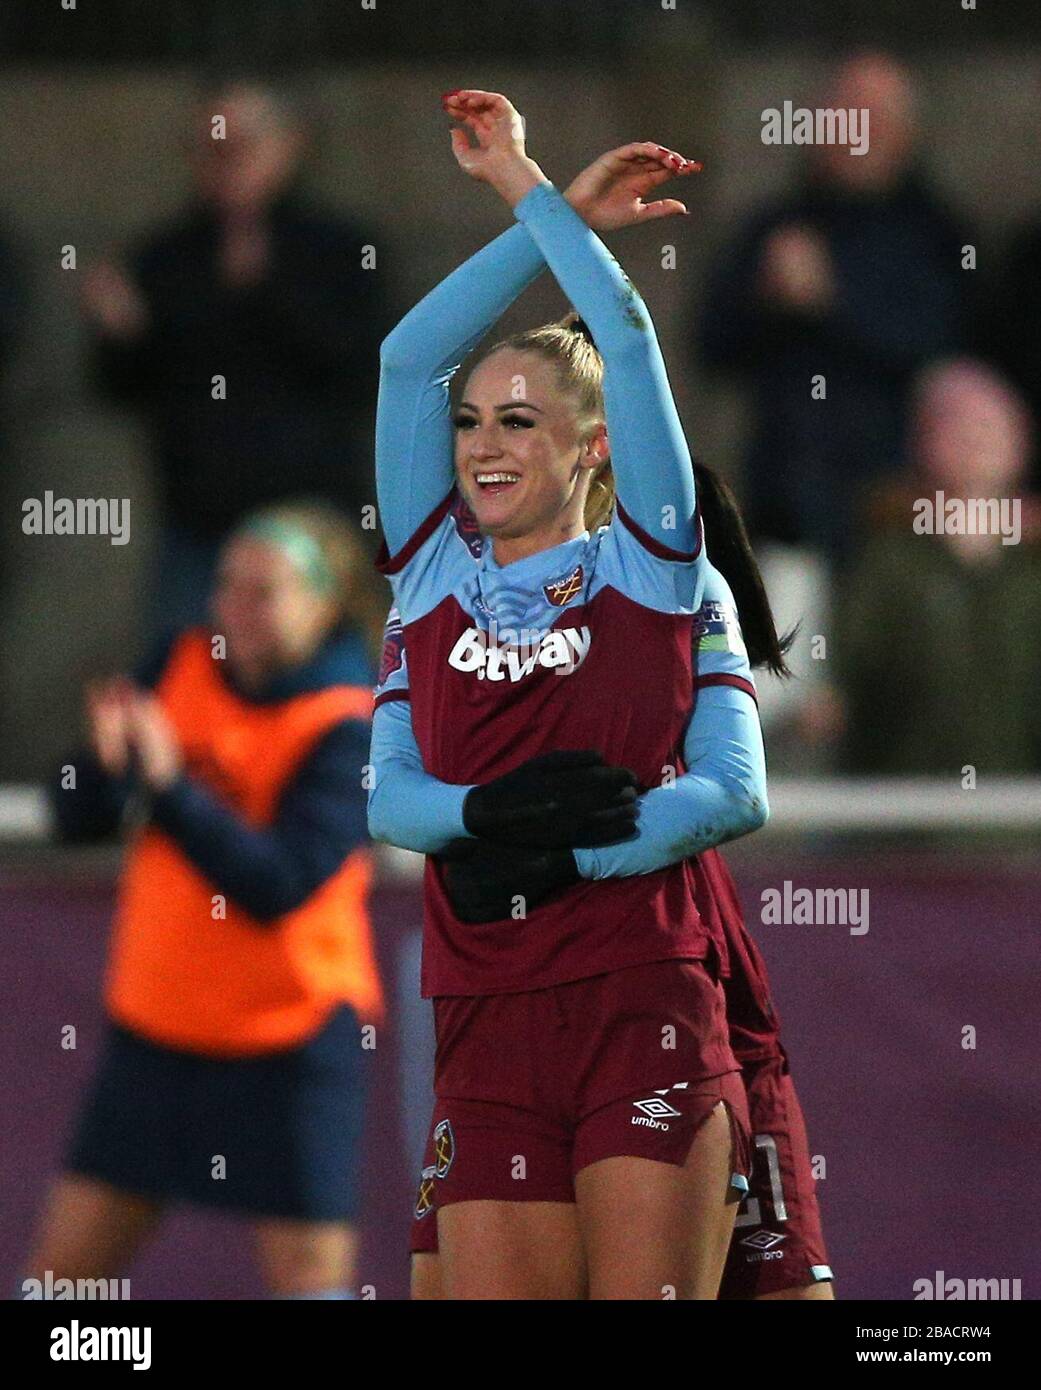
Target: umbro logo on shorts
{"x":654,"y":1112}
{"x":762,"y":1242}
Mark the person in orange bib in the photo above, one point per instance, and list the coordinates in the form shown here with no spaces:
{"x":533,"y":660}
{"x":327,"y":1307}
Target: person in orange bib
{"x":242,"y":985}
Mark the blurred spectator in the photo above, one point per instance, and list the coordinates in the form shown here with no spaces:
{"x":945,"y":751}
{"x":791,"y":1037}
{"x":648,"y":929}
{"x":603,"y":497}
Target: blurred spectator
{"x":253,"y":286}
{"x":937,"y":644}
{"x":1012,"y":321}
{"x":857,"y":278}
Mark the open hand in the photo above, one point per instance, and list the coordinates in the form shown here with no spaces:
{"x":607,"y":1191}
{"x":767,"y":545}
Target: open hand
{"x":495,"y":123}
{"x":153,"y":740}
{"x":106,"y":711}
{"x":796,"y":269}
{"x":499,"y":157}
{"x":112,"y":301}
{"x":610,"y":192}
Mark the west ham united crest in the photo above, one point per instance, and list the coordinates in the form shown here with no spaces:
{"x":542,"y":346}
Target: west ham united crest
{"x":444,"y":1148}
{"x":444,"y":1153}
{"x":425,"y":1195}
{"x":564,"y":590}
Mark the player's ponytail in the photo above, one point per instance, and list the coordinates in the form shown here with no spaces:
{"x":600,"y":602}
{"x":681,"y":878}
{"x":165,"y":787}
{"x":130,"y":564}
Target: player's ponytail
{"x":731,"y":552}
{"x":577,"y":324}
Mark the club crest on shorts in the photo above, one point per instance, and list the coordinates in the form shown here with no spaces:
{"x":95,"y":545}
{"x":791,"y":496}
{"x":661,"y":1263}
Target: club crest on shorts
{"x":564,"y":590}
{"x":444,"y":1154}
{"x":444,"y":1148}
{"x":425,"y":1195}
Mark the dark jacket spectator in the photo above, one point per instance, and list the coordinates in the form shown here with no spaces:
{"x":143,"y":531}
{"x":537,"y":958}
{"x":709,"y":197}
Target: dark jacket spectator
{"x":272,"y":298}
{"x":1011,"y":334}
{"x":856,"y":278}
{"x":937,"y":643}
{"x":298,"y":349}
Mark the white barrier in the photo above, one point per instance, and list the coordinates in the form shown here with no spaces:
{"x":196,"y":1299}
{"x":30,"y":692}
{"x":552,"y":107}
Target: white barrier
{"x":795,"y":804}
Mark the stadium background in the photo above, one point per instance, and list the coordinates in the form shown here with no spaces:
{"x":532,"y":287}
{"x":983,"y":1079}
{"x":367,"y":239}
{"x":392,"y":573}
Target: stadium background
{"x":928,"y":1145}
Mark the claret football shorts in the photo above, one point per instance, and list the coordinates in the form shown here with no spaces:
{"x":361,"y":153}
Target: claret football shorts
{"x":777,"y":1242}
{"x":533,"y":1087}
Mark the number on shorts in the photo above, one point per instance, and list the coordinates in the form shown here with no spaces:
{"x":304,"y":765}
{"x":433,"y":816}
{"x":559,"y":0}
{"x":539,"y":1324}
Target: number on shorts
{"x":750,"y":1213}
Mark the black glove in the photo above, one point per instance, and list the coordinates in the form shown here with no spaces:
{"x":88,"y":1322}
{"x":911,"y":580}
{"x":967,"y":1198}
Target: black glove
{"x":558,"y":800}
{"x":484,"y":880}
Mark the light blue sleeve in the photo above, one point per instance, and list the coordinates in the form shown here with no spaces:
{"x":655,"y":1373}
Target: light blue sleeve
{"x":722,"y":795}
{"x":407,"y":806}
{"x":654,"y":477}
{"x":418,"y":358}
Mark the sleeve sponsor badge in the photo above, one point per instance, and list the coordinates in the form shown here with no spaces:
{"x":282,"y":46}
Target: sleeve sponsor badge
{"x":393,"y":648}
{"x":716,"y":629}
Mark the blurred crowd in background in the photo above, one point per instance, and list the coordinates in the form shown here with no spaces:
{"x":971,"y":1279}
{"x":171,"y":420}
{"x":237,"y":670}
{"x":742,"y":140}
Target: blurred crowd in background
{"x":915,"y":653}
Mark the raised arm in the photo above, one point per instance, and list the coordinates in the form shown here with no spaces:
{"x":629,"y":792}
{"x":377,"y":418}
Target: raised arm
{"x":649,"y":454}
{"x":652,"y":465}
{"x":414,"y":447}
{"x":418,"y":358}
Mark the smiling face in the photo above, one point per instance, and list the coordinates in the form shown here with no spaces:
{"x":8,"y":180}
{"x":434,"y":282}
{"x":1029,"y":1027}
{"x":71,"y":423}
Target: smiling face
{"x":524,"y":457}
